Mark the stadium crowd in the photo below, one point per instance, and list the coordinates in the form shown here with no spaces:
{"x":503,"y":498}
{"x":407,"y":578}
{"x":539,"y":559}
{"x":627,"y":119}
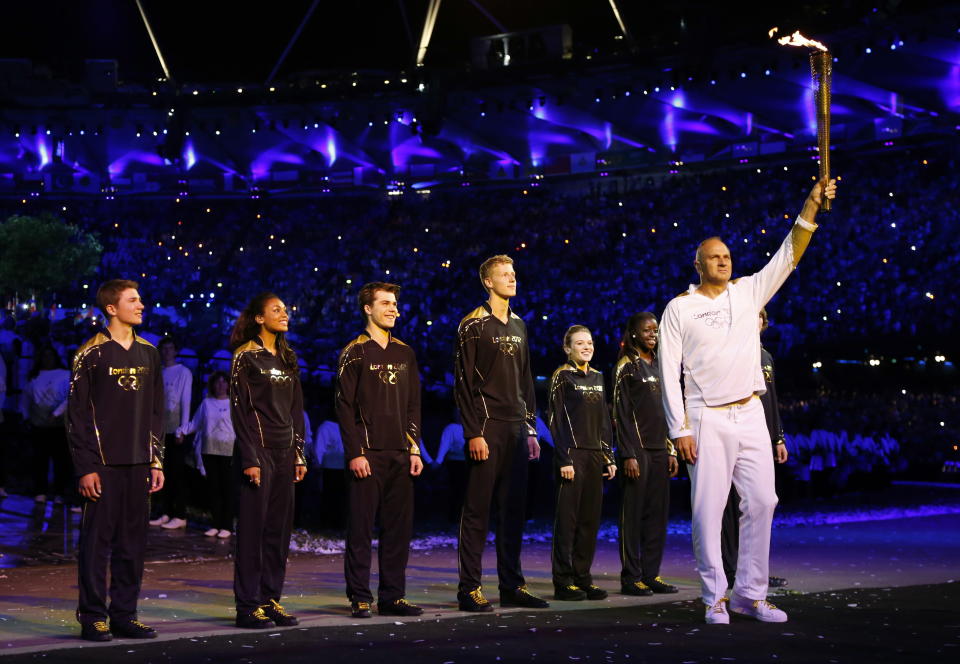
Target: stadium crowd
{"x":878,"y":275}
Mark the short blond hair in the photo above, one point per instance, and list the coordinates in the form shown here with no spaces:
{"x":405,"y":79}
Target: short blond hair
{"x":487,"y":265}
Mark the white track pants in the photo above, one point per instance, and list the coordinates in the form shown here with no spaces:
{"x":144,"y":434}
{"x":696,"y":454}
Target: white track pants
{"x":732,"y":444}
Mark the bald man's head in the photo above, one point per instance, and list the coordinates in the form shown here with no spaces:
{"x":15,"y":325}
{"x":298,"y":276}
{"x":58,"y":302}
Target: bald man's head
{"x":713,"y":261}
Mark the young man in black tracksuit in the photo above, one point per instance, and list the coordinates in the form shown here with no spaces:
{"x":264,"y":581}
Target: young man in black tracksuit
{"x":730,"y":530}
{"x":646,"y":457}
{"x":494,"y":394}
{"x":378,"y":408}
{"x":580,"y":423}
{"x":115,"y":430}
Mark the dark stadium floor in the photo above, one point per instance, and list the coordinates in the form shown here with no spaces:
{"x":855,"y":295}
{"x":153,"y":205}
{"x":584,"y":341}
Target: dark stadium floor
{"x":906,"y":624}
{"x":865,"y":584}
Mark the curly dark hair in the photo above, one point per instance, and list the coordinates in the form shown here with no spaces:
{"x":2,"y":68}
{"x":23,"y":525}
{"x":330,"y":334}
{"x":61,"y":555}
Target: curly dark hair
{"x":247,"y":327}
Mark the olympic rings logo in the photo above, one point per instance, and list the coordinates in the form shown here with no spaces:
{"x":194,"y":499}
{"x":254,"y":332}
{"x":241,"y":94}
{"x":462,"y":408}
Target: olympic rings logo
{"x":718,"y":321}
{"x":388,"y":377}
{"x":129,"y":383}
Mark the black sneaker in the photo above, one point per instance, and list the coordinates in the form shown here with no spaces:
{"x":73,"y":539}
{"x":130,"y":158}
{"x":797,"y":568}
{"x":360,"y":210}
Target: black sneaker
{"x":568,"y":593}
{"x":256,"y":619}
{"x":594,"y":592}
{"x":398,"y":607}
{"x":276,"y":613}
{"x":473,"y":601}
{"x":132,"y":629}
{"x":360,"y":609}
{"x":660,"y":586}
{"x":777,"y":582}
{"x":638,"y":588}
{"x":522,"y":597}
{"x":95,"y":631}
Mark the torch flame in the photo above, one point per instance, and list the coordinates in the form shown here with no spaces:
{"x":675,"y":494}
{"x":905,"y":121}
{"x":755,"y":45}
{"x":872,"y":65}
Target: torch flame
{"x":772,"y":32}
{"x":797,"y":39}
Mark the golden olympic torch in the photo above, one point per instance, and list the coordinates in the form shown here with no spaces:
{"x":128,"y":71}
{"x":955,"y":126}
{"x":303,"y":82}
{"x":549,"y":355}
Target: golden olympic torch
{"x":821,"y":67}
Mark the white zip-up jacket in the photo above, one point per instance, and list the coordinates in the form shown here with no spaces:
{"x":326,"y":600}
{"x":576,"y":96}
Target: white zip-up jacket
{"x":716,"y":342}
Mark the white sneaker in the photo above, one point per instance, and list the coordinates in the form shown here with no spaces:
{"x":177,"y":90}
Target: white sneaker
{"x":159,"y":521}
{"x":224,"y":534}
{"x":210,"y":532}
{"x":760,"y":609}
{"x":175,"y":523}
{"x":717,"y":614}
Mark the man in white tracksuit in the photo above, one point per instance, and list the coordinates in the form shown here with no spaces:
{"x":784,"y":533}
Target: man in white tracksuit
{"x":717,"y":422}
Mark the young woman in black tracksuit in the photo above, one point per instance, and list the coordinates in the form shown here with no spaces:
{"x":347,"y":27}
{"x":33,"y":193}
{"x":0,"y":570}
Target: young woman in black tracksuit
{"x":580,"y":424}
{"x":266,"y":406}
{"x":647,"y":459}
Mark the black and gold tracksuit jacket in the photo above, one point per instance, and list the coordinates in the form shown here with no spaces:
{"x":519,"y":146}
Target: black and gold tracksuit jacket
{"x":378,"y":397}
{"x":492,"y":372}
{"x":115,"y":407}
{"x":771,"y":408}
{"x":266,"y":404}
{"x":578,"y":417}
{"x":638,"y":407}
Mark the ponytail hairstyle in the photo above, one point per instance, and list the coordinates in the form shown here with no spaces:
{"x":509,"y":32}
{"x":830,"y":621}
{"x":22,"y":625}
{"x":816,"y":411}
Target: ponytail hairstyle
{"x":247,"y":327}
{"x":630,"y":344}
{"x":572,"y":330}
